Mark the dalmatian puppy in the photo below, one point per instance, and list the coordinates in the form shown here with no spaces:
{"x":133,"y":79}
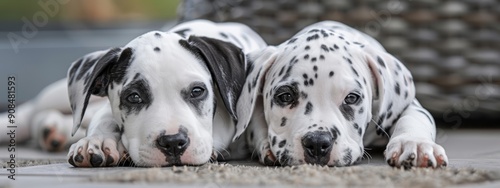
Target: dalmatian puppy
{"x":171,"y":96}
{"x":45,"y":120}
{"x":327,"y":92}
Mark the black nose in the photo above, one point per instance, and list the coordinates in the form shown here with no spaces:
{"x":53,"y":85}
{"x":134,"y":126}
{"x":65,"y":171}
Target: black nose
{"x":173,"y":145}
{"x":55,"y":143}
{"x":317,"y":147}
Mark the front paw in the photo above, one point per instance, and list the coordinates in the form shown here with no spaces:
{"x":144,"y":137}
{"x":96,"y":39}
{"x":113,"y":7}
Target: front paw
{"x":415,"y":152}
{"x":50,"y":132}
{"x":94,"y":151}
{"x":266,"y":156}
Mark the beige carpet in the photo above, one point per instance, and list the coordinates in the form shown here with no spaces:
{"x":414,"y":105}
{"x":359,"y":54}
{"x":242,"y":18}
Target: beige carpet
{"x":215,"y":175}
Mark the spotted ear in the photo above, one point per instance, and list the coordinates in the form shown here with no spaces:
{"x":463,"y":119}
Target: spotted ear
{"x":259,"y":63}
{"x":226,"y":63}
{"x":391,"y":82}
{"x":90,"y":75}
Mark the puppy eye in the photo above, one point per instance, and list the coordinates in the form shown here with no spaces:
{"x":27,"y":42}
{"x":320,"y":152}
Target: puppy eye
{"x":285,"y":95}
{"x":197,"y":92}
{"x":286,"y":98}
{"x":352,"y":98}
{"x":134,"y":98}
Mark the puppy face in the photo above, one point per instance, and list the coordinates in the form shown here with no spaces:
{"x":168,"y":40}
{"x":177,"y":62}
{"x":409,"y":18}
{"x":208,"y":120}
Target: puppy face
{"x":166,"y":115}
{"x":161,"y":90}
{"x":315,"y":106}
{"x":317,"y":93}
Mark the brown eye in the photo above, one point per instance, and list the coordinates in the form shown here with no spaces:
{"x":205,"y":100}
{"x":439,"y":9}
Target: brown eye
{"x":351,"y":98}
{"x":197,"y":92}
{"x":285,"y":98}
{"x":134,"y":98}
{"x":285,"y":95}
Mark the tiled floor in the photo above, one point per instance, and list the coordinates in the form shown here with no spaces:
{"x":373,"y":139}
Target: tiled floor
{"x":479,"y":149}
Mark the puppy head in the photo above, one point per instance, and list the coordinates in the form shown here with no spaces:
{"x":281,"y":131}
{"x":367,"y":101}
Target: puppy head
{"x":317,"y":92}
{"x":162,"y":90}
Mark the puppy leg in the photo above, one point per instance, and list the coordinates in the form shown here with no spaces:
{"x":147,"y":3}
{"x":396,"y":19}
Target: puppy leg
{"x":52,"y":128}
{"x":21,"y":122}
{"x":412,"y":143}
{"x":258,"y":138}
{"x":102,"y":145}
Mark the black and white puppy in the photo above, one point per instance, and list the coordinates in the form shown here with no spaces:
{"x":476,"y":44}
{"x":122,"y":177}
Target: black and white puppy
{"x":324,"y":94}
{"x":172,"y":95}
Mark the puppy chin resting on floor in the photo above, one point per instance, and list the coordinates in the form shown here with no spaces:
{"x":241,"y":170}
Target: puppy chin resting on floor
{"x":327,"y":92}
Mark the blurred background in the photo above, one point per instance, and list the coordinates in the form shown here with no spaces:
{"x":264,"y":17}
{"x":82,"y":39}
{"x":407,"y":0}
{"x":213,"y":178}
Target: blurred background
{"x":452,"y":47}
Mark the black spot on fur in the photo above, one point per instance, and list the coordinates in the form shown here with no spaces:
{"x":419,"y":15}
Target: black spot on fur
{"x":397,"y":89}
{"x":389,"y":114}
{"x":140,"y":87}
{"x":282,"y":70}
{"x":361,"y":110}
{"x":292,"y":40}
{"x":335,"y":131}
{"x":309,"y":107}
{"x":306,"y":57}
{"x":324,"y":48}
{"x":313,"y":59}
{"x":182,"y":32}
{"x":313,"y":31}
{"x":307,"y":47}
{"x":283,"y":121}
{"x":158,"y":35}
{"x":356,"y":126}
{"x":156,"y":49}
{"x":347,"y":111}
{"x":347,"y":156}
{"x":311,"y":82}
{"x":330,"y":74}
{"x":321,"y":57}
{"x":354,"y":71}
{"x":315,"y":68}
{"x":273,"y":142}
{"x":349,"y":60}
{"x":313,"y":37}
{"x":323,"y":32}
{"x":249,"y":68}
{"x":335,"y":46}
{"x":223,"y":35}
{"x":282,"y":143}
{"x":380,"y":61}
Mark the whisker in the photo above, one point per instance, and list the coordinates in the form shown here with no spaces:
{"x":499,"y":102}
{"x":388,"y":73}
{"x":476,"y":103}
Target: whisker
{"x":381,"y":128}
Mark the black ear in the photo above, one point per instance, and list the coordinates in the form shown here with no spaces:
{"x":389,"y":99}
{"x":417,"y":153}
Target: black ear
{"x":226,"y":63}
{"x":91,"y":75}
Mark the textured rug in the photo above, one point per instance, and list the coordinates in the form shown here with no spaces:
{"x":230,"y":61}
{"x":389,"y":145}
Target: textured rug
{"x":218,"y":175}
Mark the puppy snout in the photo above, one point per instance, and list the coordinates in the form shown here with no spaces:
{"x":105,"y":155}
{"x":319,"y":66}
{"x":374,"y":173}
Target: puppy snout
{"x":317,"y":147}
{"x":55,"y":143}
{"x":174,"y":145}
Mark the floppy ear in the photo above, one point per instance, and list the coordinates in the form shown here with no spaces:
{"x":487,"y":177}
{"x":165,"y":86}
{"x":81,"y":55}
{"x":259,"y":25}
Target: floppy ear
{"x":90,"y":75}
{"x":391,"y":82}
{"x":226,"y":63}
{"x":259,"y":63}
